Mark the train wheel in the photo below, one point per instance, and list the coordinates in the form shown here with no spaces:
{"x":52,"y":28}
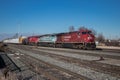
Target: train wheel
{"x":59,"y":45}
{"x":85,"y":48}
{"x":54,"y":45}
{"x":75,"y":46}
{"x":80,"y":46}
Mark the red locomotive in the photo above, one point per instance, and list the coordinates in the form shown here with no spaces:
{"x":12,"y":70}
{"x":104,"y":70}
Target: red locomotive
{"x":33,"y":40}
{"x":83,"y":39}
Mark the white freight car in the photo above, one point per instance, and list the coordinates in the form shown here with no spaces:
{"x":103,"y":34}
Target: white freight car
{"x":15,"y":40}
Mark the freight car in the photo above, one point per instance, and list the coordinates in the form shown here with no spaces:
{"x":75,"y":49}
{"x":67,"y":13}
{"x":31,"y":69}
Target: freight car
{"x":22,"y":38}
{"x":12,"y":40}
{"x":18,"y":40}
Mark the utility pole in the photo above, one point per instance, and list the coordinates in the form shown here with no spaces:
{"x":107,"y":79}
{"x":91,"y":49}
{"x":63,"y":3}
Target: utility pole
{"x":18,"y":29}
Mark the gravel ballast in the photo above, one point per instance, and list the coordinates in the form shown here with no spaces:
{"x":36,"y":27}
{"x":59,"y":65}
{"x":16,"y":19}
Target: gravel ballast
{"x":74,"y":68}
{"x":82,"y":51}
{"x":25,"y":73}
{"x":84,"y":57}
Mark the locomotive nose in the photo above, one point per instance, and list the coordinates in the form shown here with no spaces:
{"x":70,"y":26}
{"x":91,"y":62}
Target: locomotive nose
{"x":90,"y":38}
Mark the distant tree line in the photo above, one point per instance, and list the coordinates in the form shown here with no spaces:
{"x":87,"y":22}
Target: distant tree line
{"x":108,"y":42}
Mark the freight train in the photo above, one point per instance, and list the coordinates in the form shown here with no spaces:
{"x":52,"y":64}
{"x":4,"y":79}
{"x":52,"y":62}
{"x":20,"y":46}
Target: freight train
{"x":15,"y":40}
{"x":82,"y":39}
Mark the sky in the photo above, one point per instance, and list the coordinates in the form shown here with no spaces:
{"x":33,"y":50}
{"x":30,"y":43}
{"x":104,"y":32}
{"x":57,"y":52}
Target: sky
{"x":55,"y":16}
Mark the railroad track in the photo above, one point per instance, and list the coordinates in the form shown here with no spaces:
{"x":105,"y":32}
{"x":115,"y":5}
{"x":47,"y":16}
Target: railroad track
{"x":100,"y":67}
{"x":97,"y":49}
{"x":94,"y":65}
{"x":82,"y":52}
{"x":9,"y":67}
{"x":98,"y":54}
{"x":51,"y":72}
{"x":109,"y":50}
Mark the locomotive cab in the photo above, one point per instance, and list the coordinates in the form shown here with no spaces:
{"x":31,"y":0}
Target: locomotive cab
{"x":88,"y":36}
{"x":88,"y":39}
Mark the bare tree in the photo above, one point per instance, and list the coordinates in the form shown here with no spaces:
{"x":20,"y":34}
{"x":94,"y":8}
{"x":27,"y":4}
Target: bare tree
{"x":82,"y":28}
{"x":16,"y":35}
{"x":93,"y":31}
{"x":71,"y":29}
{"x":100,"y":38}
{"x":119,"y":40}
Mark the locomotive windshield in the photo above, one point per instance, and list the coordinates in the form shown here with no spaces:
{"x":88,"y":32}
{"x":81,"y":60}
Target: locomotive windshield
{"x":84,"y":32}
{"x":89,"y":32}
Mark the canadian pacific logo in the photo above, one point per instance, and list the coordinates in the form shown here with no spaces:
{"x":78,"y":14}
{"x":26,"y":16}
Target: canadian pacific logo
{"x":67,"y":36}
